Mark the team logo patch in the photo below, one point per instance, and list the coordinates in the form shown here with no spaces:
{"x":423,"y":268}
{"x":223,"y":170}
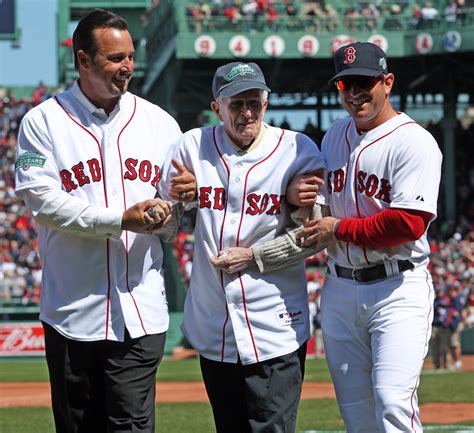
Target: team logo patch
{"x":350,"y":53}
{"x":29,"y":159}
{"x":383,"y":63}
{"x":240,"y":70}
{"x":287,"y":318}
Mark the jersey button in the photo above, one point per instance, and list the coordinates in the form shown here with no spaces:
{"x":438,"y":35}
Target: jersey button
{"x":233,"y":221}
{"x":237,"y":179}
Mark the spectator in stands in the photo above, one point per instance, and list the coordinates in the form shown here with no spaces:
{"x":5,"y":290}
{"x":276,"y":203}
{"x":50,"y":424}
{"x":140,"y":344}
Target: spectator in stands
{"x":195,"y":18}
{"x":429,"y":14}
{"x":205,"y":11}
{"x":415,"y":19}
{"x":440,"y":332}
{"x":271,"y":16}
{"x":370,"y":14}
{"x":351,"y":18}
{"x":314,"y":17}
{"x":461,"y":11}
{"x":233,"y":13}
{"x":250,"y":15}
{"x":332,"y":18}
{"x":457,"y":324}
{"x":451,"y":12}
{"x":470,"y":309}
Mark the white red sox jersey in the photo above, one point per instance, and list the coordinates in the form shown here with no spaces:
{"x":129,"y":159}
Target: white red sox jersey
{"x":240,"y":201}
{"x":78,"y":170}
{"x":396,"y":165}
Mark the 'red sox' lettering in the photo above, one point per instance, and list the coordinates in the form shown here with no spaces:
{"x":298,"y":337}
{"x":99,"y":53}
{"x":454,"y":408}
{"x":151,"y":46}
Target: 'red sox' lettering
{"x":257,"y":204}
{"x":369,"y":184}
{"x":80,"y":175}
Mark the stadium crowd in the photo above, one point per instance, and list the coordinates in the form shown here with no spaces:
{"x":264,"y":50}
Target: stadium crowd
{"x":319,"y":16}
{"x":452,"y":243}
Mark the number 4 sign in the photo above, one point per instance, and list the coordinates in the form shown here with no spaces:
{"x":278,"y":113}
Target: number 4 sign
{"x":239,"y":46}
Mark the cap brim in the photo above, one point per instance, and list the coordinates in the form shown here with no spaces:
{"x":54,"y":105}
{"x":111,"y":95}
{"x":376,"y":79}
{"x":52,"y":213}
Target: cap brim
{"x":356,"y":71}
{"x":242,"y":86}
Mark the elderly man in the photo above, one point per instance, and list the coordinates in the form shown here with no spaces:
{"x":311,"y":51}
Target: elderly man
{"x":250,"y":330}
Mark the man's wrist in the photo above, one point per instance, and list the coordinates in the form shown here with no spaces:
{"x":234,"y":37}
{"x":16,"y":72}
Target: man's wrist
{"x":334,"y":230}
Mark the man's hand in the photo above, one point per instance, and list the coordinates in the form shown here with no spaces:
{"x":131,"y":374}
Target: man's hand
{"x":146,"y":216}
{"x":233,"y":259}
{"x":320,"y":231}
{"x":183,"y":185}
{"x":304,"y":188}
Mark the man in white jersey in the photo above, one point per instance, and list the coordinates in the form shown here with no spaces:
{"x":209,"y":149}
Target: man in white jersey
{"x":249,"y":330}
{"x":88,"y":166}
{"x":383,"y":178}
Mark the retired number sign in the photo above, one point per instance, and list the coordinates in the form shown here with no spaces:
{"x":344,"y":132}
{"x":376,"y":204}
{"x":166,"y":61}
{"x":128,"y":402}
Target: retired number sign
{"x":239,"y":46}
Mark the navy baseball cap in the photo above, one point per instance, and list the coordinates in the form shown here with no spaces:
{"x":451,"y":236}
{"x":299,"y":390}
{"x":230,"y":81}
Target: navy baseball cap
{"x":237,"y":77}
{"x":359,"y":58}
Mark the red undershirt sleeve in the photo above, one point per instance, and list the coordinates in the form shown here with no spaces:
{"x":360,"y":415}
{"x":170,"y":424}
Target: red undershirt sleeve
{"x":389,"y":228}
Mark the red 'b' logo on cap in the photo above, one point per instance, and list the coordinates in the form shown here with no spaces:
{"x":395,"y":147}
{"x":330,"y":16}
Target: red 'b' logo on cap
{"x":350,"y":53}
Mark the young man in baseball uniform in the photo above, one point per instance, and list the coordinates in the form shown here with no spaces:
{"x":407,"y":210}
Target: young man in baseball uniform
{"x":88,"y":166}
{"x":250,"y":330}
{"x":383,"y":178}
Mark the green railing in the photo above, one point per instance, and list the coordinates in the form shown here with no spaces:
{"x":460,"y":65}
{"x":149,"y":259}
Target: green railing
{"x":321,"y":25}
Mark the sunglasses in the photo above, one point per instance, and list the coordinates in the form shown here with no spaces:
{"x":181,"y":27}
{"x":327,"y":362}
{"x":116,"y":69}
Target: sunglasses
{"x":364,"y":83}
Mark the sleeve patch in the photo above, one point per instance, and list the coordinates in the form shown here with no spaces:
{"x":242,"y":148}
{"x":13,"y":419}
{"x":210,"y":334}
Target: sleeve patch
{"x":29,"y":159}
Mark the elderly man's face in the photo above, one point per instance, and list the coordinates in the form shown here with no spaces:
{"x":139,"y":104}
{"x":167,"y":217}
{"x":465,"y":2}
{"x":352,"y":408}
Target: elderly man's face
{"x":242,"y":115}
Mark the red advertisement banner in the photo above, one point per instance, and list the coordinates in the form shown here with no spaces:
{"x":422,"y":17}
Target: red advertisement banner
{"x":21,"y":339}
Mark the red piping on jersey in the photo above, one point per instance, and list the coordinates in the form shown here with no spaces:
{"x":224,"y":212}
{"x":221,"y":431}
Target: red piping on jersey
{"x":125,"y":207}
{"x":345,"y":186}
{"x":242,"y":212}
{"x":106,"y":205}
{"x":355,"y":174}
{"x":220,"y":243}
{"x":427,"y":339}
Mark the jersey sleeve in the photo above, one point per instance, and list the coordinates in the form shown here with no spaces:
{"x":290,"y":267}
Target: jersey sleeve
{"x":179,"y":152}
{"x":416,"y":172}
{"x":310,"y":159}
{"x":38,"y":183}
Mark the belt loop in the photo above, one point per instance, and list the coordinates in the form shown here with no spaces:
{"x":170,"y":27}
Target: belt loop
{"x":391,"y":267}
{"x":332,"y":267}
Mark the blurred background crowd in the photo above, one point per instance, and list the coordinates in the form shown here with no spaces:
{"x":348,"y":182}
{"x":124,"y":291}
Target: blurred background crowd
{"x":317,"y":16}
{"x":452,"y":242}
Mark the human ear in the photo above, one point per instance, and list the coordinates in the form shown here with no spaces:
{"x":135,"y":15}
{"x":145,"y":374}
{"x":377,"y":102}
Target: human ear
{"x":83,"y":59}
{"x":215,"y":108}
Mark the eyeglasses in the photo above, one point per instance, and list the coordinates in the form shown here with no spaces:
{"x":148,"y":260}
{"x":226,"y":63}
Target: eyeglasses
{"x":364,"y":83}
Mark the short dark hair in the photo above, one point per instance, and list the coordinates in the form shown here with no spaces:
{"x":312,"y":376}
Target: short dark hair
{"x":84,"y":38}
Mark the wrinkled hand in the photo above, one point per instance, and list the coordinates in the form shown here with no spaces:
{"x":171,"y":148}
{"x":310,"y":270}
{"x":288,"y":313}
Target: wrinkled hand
{"x":318,"y":231}
{"x":233,"y":259}
{"x":183,"y":185}
{"x":139,"y":218}
{"x":304,"y":188}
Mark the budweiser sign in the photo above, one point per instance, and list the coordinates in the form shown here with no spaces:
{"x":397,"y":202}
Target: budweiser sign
{"x":21,"y":339}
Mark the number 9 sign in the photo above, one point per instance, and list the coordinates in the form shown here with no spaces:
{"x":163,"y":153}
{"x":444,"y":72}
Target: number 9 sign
{"x":239,"y":46}
{"x":205,"y":46}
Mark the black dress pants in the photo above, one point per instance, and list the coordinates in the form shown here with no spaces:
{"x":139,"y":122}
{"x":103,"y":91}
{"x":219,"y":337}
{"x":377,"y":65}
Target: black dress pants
{"x":103,"y":386}
{"x":255,"y":398}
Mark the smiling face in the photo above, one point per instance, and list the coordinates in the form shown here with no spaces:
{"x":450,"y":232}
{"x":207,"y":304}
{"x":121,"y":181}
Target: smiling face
{"x":368,"y":106}
{"x":242,"y":115}
{"x":106,"y":76}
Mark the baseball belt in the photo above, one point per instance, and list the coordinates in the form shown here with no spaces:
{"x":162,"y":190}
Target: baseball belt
{"x":366,"y":275}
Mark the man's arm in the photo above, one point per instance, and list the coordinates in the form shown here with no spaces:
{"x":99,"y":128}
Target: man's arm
{"x":281,"y":252}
